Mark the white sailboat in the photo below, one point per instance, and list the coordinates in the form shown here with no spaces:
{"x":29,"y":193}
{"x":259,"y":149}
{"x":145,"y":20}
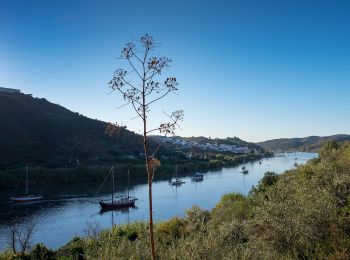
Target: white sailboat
{"x":27,"y":197}
{"x":177,"y":181}
{"x":198,"y":176}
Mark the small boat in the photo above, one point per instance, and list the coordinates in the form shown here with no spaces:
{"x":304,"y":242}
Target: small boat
{"x":245,"y":171}
{"x":117,"y":203}
{"x":177,"y":181}
{"x":198,"y":177}
{"x":27,"y":197}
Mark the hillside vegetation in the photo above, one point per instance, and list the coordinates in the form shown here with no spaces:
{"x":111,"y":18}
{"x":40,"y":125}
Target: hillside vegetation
{"x":301,"y":214}
{"x":62,"y":147}
{"x":39,"y":133}
{"x":306,"y":144}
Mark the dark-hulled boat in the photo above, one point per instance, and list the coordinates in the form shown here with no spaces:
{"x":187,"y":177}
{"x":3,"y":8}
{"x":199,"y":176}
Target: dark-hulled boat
{"x":118,"y":203}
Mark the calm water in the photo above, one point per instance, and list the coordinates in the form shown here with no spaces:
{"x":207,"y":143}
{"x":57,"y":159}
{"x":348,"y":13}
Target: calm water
{"x":66,"y":210}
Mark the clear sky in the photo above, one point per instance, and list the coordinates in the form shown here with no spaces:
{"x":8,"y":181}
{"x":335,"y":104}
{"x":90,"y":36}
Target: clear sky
{"x":253,"y":69}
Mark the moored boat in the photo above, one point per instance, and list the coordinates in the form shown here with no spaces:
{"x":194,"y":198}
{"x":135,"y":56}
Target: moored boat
{"x":198,"y":177}
{"x":27,"y":197}
{"x":117,"y":203}
{"x":177,"y":181}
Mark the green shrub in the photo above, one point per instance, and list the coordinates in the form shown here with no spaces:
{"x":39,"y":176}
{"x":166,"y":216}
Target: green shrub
{"x":171,"y":229}
{"x":40,"y":252}
{"x":232,"y":206}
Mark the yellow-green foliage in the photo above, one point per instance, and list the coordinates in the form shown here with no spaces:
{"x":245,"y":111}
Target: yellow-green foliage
{"x":233,"y":206}
{"x":171,"y":229}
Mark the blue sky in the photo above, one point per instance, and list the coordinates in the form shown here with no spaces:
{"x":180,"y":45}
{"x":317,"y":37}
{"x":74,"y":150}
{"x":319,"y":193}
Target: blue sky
{"x":253,"y":69}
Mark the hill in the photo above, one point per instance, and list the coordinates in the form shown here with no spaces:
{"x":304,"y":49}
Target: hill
{"x":37,"y":132}
{"x":307,"y":144}
{"x":61,"y":146}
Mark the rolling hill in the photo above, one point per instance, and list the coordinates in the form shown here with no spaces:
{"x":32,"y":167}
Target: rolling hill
{"x":37,"y":132}
{"x":307,"y":144}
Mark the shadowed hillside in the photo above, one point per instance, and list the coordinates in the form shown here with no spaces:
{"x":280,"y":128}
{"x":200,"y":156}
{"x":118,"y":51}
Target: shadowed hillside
{"x":35,"y":131}
{"x":307,"y":144}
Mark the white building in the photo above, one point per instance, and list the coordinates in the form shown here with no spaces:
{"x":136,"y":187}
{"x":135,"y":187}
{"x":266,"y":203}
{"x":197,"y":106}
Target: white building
{"x":9,"y":90}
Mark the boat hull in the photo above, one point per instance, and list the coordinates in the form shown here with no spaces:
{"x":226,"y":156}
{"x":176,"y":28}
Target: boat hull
{"x":177,"y":183}
{"x":28,"y":198}
{"x":198,"y":177}
{"x":117,"y":205}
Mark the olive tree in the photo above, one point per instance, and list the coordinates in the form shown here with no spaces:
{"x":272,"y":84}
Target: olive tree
{"x":141,"y":85}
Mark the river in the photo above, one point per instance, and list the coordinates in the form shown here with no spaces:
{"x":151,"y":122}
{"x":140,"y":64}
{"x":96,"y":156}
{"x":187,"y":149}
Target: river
{"x":67,"y":210}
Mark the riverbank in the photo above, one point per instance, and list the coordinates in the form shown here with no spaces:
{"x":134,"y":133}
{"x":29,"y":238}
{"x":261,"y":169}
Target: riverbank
{"x":298,"y":214}
{"x":40,"y":176}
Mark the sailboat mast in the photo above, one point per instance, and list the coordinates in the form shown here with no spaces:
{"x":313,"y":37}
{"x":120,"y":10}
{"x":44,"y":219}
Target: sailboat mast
{"x":112,"y":183}
{"x":128,"y":184}
{"x":27,"y":180}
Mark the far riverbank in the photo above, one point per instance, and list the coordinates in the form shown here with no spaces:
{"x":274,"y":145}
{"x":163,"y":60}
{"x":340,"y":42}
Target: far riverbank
{"x":39,"y":176}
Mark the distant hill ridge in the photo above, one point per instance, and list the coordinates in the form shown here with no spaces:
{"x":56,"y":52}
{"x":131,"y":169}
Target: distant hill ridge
{"x":307,"y":144}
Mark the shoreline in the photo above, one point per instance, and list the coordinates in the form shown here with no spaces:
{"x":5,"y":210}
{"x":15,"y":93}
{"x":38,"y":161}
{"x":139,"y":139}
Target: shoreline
{"x":40,"y":176}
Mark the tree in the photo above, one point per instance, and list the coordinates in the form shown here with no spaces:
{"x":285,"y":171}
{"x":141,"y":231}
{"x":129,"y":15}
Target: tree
{"x":20,"y":235}
{"x":141,"y":86}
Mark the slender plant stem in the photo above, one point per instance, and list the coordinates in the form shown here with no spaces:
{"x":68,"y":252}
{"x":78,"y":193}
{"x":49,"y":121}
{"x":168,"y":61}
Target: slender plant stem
{"x":148,"y":166}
